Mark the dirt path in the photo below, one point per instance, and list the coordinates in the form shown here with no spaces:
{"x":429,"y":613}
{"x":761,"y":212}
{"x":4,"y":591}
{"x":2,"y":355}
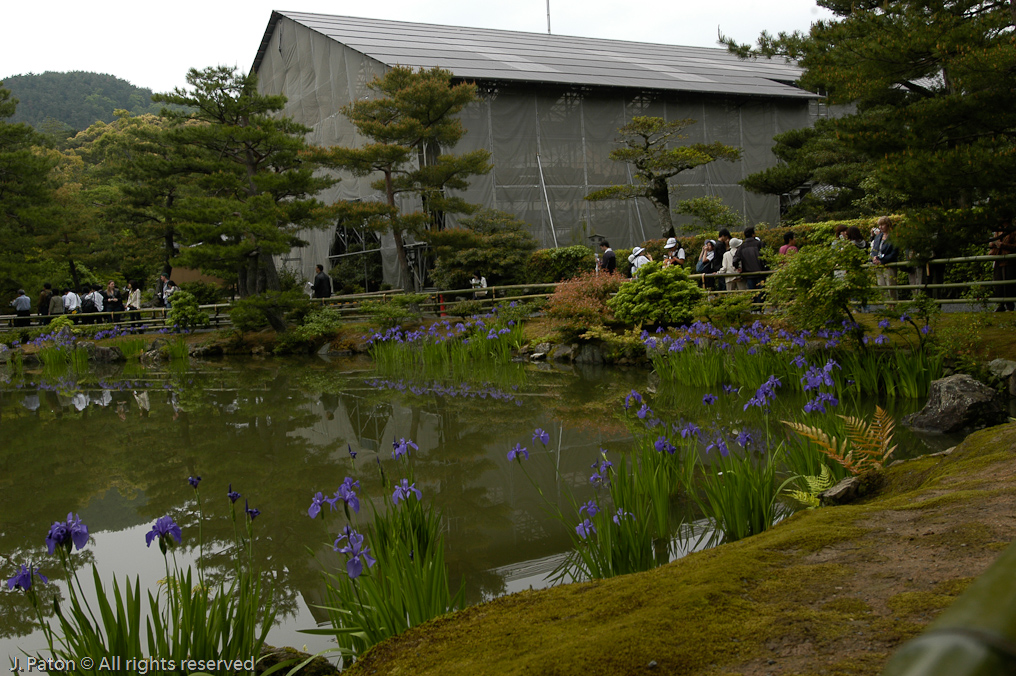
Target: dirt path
{"x":831,"y":591}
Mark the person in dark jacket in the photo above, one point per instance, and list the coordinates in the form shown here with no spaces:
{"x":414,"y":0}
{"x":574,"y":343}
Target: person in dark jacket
{"x":44,"y":298}
{"x":322,"y":284}
{"x":748,"y":258}
{"x":883,"y":251}
{"x":719,"y":249}
{"x":608,"y":263}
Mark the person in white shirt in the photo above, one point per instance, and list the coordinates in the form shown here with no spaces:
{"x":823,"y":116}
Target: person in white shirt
{"x":673,"y":253}
{"x":71,"y":301}
{"x":479,"y":284}
{"x":638,"y":258}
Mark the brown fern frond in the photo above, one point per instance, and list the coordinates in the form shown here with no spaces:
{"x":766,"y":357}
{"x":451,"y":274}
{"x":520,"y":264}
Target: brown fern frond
{"x":860,"y":436}
{"x":830,"y":446}
{"x":883,"y":427}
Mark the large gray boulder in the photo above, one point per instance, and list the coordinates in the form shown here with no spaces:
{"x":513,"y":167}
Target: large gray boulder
{"x":956,"y":403}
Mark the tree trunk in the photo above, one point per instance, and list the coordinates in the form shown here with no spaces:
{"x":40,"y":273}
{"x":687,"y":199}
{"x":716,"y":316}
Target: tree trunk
{"x":170,"y":252}
{"x":408,"y":283}
{"x":74,"y":275}
{"x":666,"y":220}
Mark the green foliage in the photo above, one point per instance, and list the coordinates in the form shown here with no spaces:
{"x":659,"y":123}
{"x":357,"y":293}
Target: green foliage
{"x":57,"y":103}
{"x":810,"y":487}
{"x":412,"y":124}
{"x":316,"y":329}
{"x":648,"y":145}
{"x":273,"y":308}
{"x":205,"y":292}
{"x":555,"y":265}
{"x":816,"y":285}
{"x":725,"y":310}
{"x":710,"y":213}
{"x":657,"y":295}
{"x":495,"y":244}
{"x":185,"y":313}
{"x":394,"y":310}
{"x":358,"y":274}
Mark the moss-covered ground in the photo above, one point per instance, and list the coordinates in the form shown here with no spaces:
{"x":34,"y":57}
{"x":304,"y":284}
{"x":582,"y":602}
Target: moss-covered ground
{"x":828,"y":591}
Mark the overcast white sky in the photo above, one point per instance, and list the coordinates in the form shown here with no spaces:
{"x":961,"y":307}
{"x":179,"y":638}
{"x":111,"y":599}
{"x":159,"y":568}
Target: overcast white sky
{"x":153,"y":44}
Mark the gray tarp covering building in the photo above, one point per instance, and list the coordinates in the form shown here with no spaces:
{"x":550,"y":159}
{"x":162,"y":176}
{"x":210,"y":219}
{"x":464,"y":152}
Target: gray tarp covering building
{"x":549,"y":114}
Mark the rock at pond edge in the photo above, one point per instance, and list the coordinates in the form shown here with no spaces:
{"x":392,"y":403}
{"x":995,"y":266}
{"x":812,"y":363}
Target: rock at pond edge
{"x":956,"y":403}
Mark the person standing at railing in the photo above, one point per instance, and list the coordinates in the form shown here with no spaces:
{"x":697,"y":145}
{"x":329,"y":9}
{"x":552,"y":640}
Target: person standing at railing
{"x":1003,"y":244}
{"x":479,"y":284}
{"x":22,"y":308}
{"x":673,"y":253}
{"x":72,"y":303}
{"x":43,"y":307}
{"x":322,"y":283}
{"x":56,"y":305}
{"x":748,"y":258}
{"x":133,"y":302}
{"x":727,"y":267}
{"x":883,"y":252}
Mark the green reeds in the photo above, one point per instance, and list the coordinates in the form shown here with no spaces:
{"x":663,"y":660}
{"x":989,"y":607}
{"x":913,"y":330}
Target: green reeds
{"x":131,"y":347}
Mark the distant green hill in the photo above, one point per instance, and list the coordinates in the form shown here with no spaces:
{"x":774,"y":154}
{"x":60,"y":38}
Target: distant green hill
{"x":61,"y":103}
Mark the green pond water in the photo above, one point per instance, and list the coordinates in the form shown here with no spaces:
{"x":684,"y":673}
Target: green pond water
{"x":116,"y":447}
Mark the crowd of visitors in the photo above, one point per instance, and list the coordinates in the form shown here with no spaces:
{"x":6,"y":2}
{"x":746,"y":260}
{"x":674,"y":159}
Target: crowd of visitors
{"x":90,"y":304}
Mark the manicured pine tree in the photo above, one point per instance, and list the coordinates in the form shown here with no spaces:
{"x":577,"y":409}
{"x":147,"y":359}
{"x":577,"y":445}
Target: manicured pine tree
{"x":649,"y":145}
{"x":250,"y":187}
{"x":410,"y":123}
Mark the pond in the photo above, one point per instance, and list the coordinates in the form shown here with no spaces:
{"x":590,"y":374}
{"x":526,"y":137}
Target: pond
{"x":117,"y":445}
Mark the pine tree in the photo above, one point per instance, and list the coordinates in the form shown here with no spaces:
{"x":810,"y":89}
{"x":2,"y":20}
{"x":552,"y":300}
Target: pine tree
{"x":410,"y":123}
{"x":934,"y":84}
{"x":250,"y":189}
{"x":648,"y":144}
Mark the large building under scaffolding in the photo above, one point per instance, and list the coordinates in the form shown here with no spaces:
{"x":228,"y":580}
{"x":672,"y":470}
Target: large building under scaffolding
{"x":549,"y":114}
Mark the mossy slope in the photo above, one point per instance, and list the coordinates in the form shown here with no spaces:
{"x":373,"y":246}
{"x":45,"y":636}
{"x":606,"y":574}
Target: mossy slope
{"x":830,"y":591}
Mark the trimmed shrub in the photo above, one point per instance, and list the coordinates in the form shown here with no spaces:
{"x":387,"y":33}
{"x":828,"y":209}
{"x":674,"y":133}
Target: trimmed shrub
{"x":492,"y":243}
{"x":206,"y":293}
{"x":555,"y":265}
{"x":662,"y":296}
{"x":185,"y":313}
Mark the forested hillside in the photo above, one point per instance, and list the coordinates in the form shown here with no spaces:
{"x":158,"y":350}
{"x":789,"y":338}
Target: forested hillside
{"x":62,"y":103}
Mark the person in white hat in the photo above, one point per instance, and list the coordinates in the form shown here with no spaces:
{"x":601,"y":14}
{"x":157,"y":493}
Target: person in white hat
{"x":733,"y":283}
{"x":638,"y":258}
{"x":673,"y":253}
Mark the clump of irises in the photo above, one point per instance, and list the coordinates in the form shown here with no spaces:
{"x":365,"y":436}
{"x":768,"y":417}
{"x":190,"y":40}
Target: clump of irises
{"x":394,"y":575}
{"x":230,"y":621}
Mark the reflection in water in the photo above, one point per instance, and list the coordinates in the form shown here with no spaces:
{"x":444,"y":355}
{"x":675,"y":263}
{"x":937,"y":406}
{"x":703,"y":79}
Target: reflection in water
{"x":117,"y":446}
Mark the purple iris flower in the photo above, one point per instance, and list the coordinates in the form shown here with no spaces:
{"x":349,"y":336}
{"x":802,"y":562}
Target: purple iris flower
{"x":166,"y":530}
{"x":23,"y":579}
{"x":904,"y":318}
{"x":621,"y":514}
{"x":663,"y":445}
{"x":357,"y":553}
{"x":539,"y":434}
{"x":744,"y":439}
{"x":518,"y":452}
{"x":729,"y":389}
{"x":315,"y":504}
{"x":709,"y":399}
{"x":403,"y":490}
{"x":194,"y":481}
{"x":232,"y":495}
{"x":251,"y":512}
{"x":590,"y":508}
{"x":925,"y":329}
{"x":585,"y":529}
{"x":691,"y":429}
{"x":66,"y":534}
{"x":352,"y":453}
{"x":402,"y":447}
{"x":720,"y":444}
{"x":644,"y":411}
{"x":634,"y":396}
{"x":347,"y":494}
{"x":880,"y":339}
{"x":883,"y":323}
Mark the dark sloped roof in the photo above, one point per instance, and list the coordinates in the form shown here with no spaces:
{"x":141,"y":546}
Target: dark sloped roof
{"x":486,"y":54}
